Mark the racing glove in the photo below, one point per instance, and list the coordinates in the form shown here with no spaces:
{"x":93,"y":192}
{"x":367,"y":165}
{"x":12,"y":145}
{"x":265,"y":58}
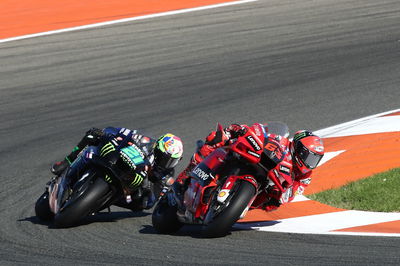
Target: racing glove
{"x":236,"y":130}
{"x":217,"y":138}
{"x":92,"y":137}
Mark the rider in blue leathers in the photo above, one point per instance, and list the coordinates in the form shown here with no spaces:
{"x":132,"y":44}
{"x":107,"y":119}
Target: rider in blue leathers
{"x":153,"y":161}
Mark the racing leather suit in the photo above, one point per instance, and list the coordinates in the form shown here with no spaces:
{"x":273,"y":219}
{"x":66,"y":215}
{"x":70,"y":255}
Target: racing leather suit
{"x":292,"y":180}
{"x":96,"y":139}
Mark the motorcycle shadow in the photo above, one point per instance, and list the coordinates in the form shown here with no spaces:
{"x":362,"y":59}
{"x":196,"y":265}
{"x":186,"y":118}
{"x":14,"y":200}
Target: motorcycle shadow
{"x":100,"y":217}
{"x":253,"y":225}
{"x":195,"y":231}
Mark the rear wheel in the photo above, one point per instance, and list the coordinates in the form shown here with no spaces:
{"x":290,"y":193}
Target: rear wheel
{"x":82,"y":205}
{"x":165,"y":219}
{"x":223,"y":221}
{"x":42,"y":208}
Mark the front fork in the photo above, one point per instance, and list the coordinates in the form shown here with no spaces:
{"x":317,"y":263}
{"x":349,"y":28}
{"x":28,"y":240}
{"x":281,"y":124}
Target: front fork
{"x":228,"y":186}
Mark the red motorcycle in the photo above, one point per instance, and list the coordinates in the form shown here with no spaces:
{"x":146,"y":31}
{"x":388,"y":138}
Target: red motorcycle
{"x":222,"y":188}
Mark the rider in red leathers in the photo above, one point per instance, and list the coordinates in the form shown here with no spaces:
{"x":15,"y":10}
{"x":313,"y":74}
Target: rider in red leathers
{"x":301,"y":156}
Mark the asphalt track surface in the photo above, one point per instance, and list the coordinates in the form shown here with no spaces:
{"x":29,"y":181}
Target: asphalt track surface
{"x":312,"y":64}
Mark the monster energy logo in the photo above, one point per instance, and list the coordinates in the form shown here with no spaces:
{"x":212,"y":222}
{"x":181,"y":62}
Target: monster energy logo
{"x":136,"y":181}
{"x":109,"y":147}
{"x":302,"y":135}
{"x":299,"y":136}
{"x":108,"y":179}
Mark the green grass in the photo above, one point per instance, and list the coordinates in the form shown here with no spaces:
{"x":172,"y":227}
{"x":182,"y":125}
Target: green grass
{"x":380,"y":192}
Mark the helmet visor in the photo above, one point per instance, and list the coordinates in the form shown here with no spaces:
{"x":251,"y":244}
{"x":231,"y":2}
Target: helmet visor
{"x":165,"y":160}
{"x":309,"y":158}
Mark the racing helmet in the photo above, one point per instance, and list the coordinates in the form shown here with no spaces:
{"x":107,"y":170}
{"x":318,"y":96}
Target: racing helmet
{"x":308,"y":150}
{"x":168,"y":151}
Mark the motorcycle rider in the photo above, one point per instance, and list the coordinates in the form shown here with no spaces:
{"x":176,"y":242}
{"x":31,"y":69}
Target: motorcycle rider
{"x":157,"y":161}
{"x":302,"y":155}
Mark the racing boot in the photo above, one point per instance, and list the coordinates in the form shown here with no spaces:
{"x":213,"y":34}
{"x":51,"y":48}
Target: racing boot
{"x":149,"y":200}
{"x":180,"y":184}
{"x":197,"y":157}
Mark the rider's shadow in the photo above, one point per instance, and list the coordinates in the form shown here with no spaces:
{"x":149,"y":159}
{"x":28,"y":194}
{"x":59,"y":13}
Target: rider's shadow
{"x":101,"y":217}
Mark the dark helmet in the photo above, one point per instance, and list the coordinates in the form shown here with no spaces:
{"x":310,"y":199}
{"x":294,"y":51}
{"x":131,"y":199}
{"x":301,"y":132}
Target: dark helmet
{"x":168,"y":151}
{"x":308,"y":150}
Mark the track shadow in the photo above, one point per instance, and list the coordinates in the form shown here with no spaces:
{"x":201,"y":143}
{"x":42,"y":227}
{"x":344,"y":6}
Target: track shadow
{"x":101,"y":217}
{"x":195,"y":231}
{"x":187,"y":230}
{"x":34,"y":220}
{"x":250,"y":225}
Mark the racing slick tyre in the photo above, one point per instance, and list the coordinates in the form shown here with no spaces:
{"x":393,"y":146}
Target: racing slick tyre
{"x":81,"y":205}
{"x":223,"y":221}
{"x":165,"y":219}
{"x":42,"y":208}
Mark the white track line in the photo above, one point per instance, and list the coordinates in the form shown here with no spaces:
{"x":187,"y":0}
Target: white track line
{"x":327,"y":223}
{"x":371,"y":126}
{"x":370,"y":122}
{"x":169,"y":13}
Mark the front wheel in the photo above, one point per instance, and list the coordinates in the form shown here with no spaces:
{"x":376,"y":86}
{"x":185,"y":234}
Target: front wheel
{"x":80,"y":206}
{"x":164,"y":218}
{"x":223,"y":221}
{"x":42,"y":208}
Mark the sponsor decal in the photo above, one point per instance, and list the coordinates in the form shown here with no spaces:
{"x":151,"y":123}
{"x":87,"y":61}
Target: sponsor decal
{"x":254,"y":154}
{"x":284,"y":169}
{"x":286,"y":195}
{"x":145,"y":149}
{"x":201,"y":174}
{"x":108,"y":179}
{"x":127,"y":160}
{"x":257,"y":130}
{"x":137,"y":180}
{"x":106,"y":149}
{"x":300,"y":191}
{"x":128,"y":199}
{"x":143,"y":173}
{"x":151,"y":159}
{"x":89,"y":155}
{"x":132,"y":155}
{"x":253,"y":143}
{"x":306,"y":181}
{"x":223,"y":195}
{"x":227,"y":184}
{"x":251,"y":178}
{"x":274,"y":150}
{"x":145,"y":140}
{"x":319,"y":148}
{"x":300,"y":136}
{"x":138,"y":150}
